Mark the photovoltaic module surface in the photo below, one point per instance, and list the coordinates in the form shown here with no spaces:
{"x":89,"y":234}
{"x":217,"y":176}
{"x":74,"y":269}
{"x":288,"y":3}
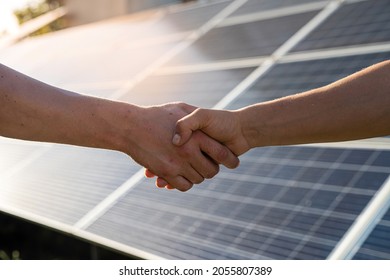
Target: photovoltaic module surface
{"x":288,"y":202}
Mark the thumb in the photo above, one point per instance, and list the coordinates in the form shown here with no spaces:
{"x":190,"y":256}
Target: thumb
{"x":185,"y":126}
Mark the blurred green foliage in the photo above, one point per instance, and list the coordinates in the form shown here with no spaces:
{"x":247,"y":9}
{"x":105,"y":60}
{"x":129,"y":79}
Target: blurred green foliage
{"x":35,"y":10}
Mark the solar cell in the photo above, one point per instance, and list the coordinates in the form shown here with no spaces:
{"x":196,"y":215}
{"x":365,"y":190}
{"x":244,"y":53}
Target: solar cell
{"x":252,"y":6}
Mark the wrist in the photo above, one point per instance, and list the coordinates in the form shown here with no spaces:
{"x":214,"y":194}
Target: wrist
{"x":116,"y":124}
{"x":254,"y":125}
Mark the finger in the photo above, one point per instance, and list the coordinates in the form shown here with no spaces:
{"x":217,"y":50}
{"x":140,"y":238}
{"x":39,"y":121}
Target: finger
{"x":161,"y":183}
{"x":180,"y":183}
{"x":185,"y":126}
{"x":149,"y":174}
{"x":204,"y":165}
{"x":218,"y":152}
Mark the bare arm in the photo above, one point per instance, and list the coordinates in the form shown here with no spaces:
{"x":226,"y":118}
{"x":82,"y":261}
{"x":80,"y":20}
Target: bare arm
{"x":32,"y":110}
{"x":355,"y":107}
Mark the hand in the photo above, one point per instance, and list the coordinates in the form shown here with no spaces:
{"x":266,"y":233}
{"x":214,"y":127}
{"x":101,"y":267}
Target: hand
{"x":222,"y":125}
{"x":180,"y":167}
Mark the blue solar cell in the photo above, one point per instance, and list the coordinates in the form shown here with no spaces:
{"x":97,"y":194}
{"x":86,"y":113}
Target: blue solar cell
{"x":340,"y":177}
{"x":313,"y":250}
{"x":251,"y":241}
{"x":352,"y":203}
{"x":322,"y":199}
{"x":293,"y":196}
{"x":358,"y":157}
{"x":303,"y":223}
{"x":281,"y":246}
{"x":287,"y":172}
{"x":334,"y":228}
{"x":371,"y":180}
{"x":313,"y":174}
{"x":383,"y":159}
{"x":252,"y":6}
{"x":330,"y":155}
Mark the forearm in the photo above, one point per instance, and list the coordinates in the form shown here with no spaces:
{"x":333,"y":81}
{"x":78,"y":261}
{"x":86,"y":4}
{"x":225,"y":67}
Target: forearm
{"x":353,"y":108}
{"x":32,"y":110}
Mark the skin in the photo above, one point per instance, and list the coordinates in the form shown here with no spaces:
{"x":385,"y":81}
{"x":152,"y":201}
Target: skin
{"x":352,"y":108}
{"x":33,"y":110}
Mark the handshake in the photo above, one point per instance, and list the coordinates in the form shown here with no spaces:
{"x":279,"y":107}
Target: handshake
{"x":182,"y":145}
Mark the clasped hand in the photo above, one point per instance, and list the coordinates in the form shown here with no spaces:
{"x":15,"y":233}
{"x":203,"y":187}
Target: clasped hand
{"x":177,"y":167}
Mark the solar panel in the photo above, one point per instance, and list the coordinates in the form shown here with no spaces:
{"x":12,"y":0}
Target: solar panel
{"x":364,"y":22}
{"x":50,"y":185}
{"x":258,"y":38}
{"x":293,"y":202}
{"x":294,"y":195}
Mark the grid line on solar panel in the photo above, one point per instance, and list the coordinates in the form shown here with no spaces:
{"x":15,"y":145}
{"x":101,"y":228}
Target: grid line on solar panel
{"x":353,"y":23}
